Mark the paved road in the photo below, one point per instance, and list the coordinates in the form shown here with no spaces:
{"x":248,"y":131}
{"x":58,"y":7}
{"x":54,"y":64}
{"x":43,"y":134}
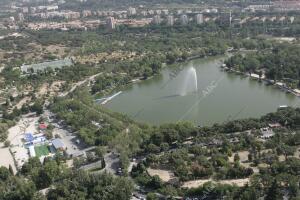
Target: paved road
{"x":111,"y":163}
{"x":68,"y":138}
{"x":93,"y":165}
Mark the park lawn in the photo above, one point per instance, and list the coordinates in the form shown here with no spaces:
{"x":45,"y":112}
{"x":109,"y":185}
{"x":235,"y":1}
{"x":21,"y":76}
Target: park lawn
{"x":42,"y":150}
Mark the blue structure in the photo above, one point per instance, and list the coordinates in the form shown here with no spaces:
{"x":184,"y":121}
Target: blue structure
{"x":28,"y":137}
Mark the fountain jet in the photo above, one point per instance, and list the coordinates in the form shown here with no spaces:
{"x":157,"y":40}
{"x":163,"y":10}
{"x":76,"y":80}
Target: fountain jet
{"x":190,"y":83}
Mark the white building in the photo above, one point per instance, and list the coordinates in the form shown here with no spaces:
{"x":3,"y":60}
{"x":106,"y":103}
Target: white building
{"x":20,"y":17}
{"x":151,"y":12}
{"x":179,"y":12}
{"x":131,"y":11}
{"x":86,"y":13}
{"x":184,"y":20}
{"x":144,"y":13}
{"x":170,"y":20}
{"x":31,"y":151}
{"x":56,"y":64}
{"x":156,"y":19}
{"x":165,"y":12}
{"x":214,"y":10}
{"x":199,"y":19}
{"x":111,"y":23}
{"x":25,"y":10}
{"x":158,"y":12}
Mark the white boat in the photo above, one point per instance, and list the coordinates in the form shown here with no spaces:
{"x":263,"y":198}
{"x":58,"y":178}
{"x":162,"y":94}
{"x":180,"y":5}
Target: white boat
{"x":283,"y":106}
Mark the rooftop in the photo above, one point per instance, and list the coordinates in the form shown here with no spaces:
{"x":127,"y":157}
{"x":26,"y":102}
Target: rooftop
{"x":58,"y":144}
{"x":42,"y":66}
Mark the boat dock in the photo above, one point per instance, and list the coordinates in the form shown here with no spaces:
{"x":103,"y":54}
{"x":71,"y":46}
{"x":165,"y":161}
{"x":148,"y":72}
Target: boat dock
{"x":107,"y":99}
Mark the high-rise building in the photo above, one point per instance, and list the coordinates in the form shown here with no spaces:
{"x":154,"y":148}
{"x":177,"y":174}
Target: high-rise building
{"x":20,"y":17}
{"x":12,"y":19}
{"x":170,"y":20}
{"x":111,"y":23}
{"x":179,"y":12}
{"x":184,"y":20}
{"x":165,"y":11}
{"x":25,"y":9}
{"x":230,"y":18}
{"x":292,"y":19}
{"x":158,"y":12}
{"x":131,"y":11}
{"x":151,"y":12}
{"x":199,"y":19}
{"x":156,"y":19}
{"x":144,"y":13}
{"x":86,"y":13}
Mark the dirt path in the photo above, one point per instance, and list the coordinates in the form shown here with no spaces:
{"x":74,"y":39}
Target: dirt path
{"x":79,"y":84}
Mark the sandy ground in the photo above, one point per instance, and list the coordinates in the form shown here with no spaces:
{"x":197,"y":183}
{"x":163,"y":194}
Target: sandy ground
{"x":16,"y":134}
{"x":284,"y":39}
{"x":281,"y":158}
{"x":69,"y":163}
{"x":242,"y":154}
{"x":96,"y":58}
{"x":55,"y":86}
{"x":247,"y":165}
{"x":53,"y":89}
{"x":266,"y":151}
{"x":22,"y":102}
{"x":6,"y":158}
{"x":238,"y":182}
{"x":195,"y":183}
{"x":43,"y":90}
{"x":58,"y":50}
{"x":200,"y":182}
{"x":244,"y":160}
{"x":164,"y":175}
{"x":264,"y":165}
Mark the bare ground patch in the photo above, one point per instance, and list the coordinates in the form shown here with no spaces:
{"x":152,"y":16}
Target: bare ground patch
{"x":200,"y":182}
{"x":164,"y":175}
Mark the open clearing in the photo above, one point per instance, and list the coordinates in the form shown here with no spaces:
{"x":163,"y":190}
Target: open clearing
{"x":164,"y":175}
{"x":16,"y":135}
{"x":6,"y":158}
{"x":242,"y":154}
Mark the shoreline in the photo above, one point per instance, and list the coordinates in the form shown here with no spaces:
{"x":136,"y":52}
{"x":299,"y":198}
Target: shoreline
{"x":279,"y":85}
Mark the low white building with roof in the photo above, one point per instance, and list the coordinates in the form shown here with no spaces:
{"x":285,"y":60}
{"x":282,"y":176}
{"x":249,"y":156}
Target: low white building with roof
{"x":31,"y":151}
{"x":58,"y":145}
{"x":56,"y":64}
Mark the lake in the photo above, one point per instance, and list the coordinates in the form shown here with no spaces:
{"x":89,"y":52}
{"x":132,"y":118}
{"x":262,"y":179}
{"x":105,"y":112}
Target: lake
{"x":220,"y":96}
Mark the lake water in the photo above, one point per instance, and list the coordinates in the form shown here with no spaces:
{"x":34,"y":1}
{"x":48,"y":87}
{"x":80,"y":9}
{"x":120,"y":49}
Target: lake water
{"x":220,"y":96}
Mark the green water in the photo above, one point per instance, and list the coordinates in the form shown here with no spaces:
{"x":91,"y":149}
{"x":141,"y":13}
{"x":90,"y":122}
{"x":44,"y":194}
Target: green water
{"x":221,"y":96}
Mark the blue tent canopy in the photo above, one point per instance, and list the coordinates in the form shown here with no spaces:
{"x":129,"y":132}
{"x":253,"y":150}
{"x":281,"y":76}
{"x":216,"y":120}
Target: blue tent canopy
{"x":29,"y":137}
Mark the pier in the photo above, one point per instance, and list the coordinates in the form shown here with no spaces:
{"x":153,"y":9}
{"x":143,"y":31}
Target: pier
{"x":107,"y":99}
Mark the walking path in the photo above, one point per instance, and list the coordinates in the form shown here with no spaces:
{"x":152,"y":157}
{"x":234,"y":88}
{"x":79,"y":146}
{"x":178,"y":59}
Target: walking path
{"x":91,"y":78}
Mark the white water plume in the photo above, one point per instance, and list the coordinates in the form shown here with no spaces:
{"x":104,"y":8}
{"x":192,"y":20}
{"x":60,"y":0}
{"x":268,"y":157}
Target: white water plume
{"x":190,"y":83}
